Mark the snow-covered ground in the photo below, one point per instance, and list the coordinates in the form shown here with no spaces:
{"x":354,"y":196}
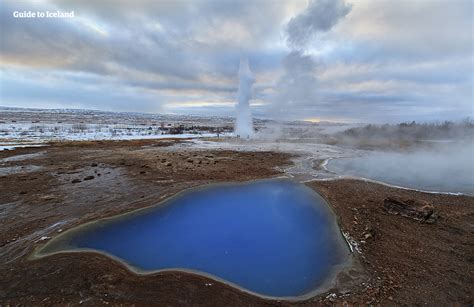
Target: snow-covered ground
{"x":17,"y":134}
{"x":20,"y":127}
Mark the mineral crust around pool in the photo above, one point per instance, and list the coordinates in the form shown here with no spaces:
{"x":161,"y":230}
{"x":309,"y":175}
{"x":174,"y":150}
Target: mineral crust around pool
{"x":273,"y":238}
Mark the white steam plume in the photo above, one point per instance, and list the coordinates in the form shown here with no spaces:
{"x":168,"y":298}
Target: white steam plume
{"x":243,"y":123}
{"x":298,"y":86}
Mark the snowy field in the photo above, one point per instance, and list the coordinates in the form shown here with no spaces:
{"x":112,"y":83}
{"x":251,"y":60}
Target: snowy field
{"x":31,"y":133}
{"x":21,"y":127}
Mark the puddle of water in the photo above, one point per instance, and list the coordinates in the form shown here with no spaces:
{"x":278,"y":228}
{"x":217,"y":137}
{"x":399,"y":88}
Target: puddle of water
{"x":274,"y":238}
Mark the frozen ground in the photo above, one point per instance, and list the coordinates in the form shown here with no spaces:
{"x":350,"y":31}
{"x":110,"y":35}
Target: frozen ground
{"x":20,"y":127}
{"x":16,"y":133}
{"x":313,"y":145}
{"x":309,"y":161}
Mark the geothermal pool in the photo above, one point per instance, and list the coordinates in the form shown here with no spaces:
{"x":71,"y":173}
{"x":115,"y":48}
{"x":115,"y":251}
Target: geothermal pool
{"x":440,"y":171}
{"x":273,"y":238}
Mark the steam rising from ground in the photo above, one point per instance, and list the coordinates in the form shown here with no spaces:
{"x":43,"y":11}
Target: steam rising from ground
{"x":243,"y":124}
{"x":299,"y":83}
{"x":445,"y":167}
{"x":426,"y":156}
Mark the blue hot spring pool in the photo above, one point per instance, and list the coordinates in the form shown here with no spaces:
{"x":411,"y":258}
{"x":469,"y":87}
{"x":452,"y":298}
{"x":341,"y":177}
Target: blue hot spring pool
{"x":272,"y":237}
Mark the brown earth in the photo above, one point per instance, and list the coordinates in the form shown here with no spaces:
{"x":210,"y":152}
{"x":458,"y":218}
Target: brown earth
{"x":406,"y":262}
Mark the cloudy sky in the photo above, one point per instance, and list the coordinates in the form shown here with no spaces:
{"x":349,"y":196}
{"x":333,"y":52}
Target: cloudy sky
{"x":354,"y":60}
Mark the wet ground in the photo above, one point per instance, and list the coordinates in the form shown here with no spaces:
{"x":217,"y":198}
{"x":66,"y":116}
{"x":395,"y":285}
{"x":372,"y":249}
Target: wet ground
{"x":403,"y":261}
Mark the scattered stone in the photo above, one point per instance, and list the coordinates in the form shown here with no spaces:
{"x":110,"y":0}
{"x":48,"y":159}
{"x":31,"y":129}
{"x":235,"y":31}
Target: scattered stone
{"x":89,"y":177}
{"x":48,"y":197}
{"x":417,"y":210}
{"x":76,"y":180}
{"x":369,"y":232}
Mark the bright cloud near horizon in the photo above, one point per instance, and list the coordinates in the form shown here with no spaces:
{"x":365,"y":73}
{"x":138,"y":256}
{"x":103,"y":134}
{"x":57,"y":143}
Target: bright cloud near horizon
{"x":352,"y":61}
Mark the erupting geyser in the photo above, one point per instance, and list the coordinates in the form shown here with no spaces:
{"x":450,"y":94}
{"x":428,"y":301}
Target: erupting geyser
{"x":243,"y":123}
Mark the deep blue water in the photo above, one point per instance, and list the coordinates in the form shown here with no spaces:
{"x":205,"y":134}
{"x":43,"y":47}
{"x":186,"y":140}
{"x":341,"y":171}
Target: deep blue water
{"x":272,"y":237}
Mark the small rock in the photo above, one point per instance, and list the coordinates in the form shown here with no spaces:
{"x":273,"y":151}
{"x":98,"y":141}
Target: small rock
{"x":94,"y":164}
{"x":417,"y":210}
{"x":89,"y":177}
{"x":75,"y":181}
{"x":48,"y":197}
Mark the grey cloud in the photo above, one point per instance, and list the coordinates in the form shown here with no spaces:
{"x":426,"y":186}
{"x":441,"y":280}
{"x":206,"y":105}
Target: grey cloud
{"x":391,"y":30}
{"x":69,"y":95}
{"x":134,"y":46}
{"x":400,"y":66}
{"x":394,"y":60}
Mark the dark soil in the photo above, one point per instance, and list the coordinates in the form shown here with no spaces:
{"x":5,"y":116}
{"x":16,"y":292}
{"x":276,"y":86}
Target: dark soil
{"x":406,"y":262}
{"x":409,"y":262}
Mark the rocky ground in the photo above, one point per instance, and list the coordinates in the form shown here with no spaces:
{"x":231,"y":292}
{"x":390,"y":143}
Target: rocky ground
{"x":45,"y":190}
